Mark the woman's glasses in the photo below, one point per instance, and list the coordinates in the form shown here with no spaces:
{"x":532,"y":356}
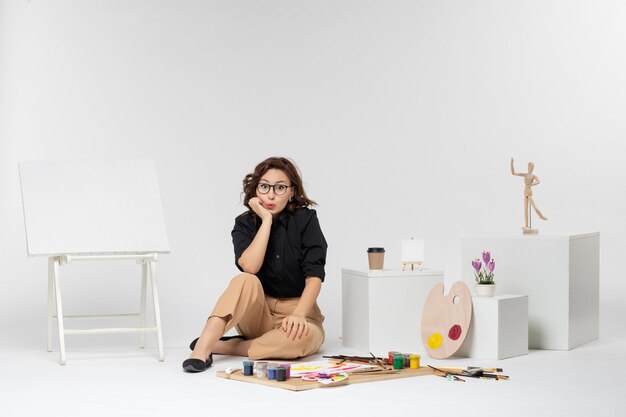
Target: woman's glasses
{"x":279,"y":189}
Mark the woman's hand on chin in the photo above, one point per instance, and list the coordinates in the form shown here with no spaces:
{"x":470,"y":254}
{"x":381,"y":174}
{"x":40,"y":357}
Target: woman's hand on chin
{"x":256,"y":205}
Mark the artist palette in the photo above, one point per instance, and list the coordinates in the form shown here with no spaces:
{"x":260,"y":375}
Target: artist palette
{"x":446,"y":319}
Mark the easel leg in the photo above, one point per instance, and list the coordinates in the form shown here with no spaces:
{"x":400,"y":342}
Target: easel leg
{"x":51,"y":305}
{"x":142,"y":311}
{"x":57,"y":293}
{"x":157,"y":311}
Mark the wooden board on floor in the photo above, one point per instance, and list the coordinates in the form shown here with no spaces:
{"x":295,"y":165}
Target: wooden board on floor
{"x":297,"y":384}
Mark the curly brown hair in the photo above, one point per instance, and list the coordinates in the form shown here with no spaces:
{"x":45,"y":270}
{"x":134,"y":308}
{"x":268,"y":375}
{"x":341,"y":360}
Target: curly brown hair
{"x":287,"y":166}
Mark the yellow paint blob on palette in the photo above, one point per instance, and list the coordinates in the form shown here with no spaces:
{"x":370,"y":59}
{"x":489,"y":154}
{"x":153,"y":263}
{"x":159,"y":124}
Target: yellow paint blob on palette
{"x":446,"y":319}
{"x":434,"y":341}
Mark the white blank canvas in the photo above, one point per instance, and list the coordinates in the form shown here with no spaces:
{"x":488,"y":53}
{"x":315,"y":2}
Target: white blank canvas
{"x":412,"y":250}
{"x":92,"y":206}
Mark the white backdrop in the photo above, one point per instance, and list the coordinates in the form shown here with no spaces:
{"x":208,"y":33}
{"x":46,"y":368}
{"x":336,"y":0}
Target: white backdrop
{"x":402,"y":116}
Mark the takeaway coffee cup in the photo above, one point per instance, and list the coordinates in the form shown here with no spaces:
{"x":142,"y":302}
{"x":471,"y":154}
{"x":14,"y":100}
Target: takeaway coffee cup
{"x":376,"y":257}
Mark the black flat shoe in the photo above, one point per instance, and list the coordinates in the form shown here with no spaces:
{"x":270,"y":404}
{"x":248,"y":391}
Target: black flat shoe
{"x":192,"y":346}
{"x":197,"y":365}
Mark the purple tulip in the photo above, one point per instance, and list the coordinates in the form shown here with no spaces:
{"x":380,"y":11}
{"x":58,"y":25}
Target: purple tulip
{"x":477,"y":264}
{"x":491,"y":265}
{"x":486,"y":257}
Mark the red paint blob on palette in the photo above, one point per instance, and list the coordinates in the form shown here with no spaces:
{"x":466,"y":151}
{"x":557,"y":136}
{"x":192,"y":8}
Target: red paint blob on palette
{"x":455,"y":332}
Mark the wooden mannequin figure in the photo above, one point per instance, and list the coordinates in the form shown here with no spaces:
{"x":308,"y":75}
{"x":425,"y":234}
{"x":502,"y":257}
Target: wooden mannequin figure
{"x":530,"y":180}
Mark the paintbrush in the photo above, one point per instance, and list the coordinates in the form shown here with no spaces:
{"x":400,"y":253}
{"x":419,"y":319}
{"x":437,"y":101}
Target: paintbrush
{"x":364,"y":359}
{"x":464,"y":372}
{"x":347,"y":356}
{"x":485,"y":369}
{"x":447,"y":375}
{"x":368,"y":372}
{"x":474,"y":369}
{"x":474,"y":373}
{"x":373,"y":360}
{"x":496,"y":377}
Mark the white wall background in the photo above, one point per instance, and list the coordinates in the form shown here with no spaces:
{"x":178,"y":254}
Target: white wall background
{"x":402,"y":116}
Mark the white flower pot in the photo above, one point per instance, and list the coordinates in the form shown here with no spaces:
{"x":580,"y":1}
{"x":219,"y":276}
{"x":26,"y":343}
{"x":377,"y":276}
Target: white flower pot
{"x":485,"y":290}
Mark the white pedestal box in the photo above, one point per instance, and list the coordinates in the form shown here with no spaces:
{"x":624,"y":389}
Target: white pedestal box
{"x":382,"y":310}
{"x":560,"y":275}
{"x":499,"y":328}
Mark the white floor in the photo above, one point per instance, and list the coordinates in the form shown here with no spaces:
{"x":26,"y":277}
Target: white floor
{"x":588,"y":380}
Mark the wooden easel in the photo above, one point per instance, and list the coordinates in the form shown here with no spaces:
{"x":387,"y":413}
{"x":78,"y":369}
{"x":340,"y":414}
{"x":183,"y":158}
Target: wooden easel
{"x":101,"y":210}
{"x":412,"y":253}
{"x":420,"y":265}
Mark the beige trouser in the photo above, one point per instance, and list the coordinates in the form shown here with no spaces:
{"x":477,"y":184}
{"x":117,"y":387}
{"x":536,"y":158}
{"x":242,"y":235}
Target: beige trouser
{"x":258,"y":317}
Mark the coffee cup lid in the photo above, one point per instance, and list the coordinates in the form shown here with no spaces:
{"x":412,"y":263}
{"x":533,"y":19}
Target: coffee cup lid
{"x":375,"y":250}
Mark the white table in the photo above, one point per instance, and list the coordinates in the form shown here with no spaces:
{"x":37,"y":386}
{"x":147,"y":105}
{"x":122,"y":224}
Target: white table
{"x":560,"y":275}
{"x":382,"y":310}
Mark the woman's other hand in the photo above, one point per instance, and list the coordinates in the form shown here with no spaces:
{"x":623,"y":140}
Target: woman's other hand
{"x":295,"y":326}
